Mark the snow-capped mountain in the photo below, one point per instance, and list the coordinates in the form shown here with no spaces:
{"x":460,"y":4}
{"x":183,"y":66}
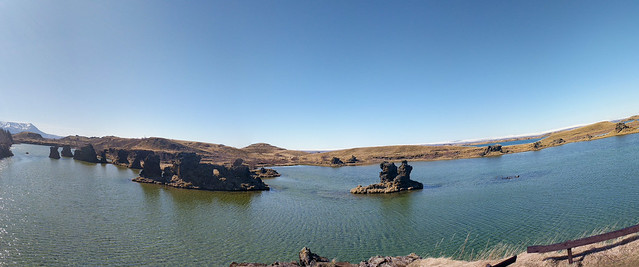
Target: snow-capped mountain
{"x":18,"y":127}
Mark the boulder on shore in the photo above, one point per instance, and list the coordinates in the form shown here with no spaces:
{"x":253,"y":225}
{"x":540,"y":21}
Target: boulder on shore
{"x":336,"y":161}
{"x":188,"y":172}
{"x":392,"y":179}
{"x":66,"y":151}
{"x":86,"y":153}
{"x":53,"y":152}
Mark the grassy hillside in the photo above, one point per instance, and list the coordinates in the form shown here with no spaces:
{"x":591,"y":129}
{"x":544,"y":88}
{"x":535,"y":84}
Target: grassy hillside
{"x":265,"y":154}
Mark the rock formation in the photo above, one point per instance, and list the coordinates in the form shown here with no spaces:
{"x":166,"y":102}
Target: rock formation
{"x":537,"y":145}
{"x":559,"y":141}
{"x":265,"y":173}
{"x":353,"y":159}
{"x":120,"y":157}
{"x":151,"y":167}
{"x":188,"y":172}
{"x":336,"y":161}
{"x":5,"y":151}
{"x":620,"y":127}
{"x":392,"y":179}
{"x":493,"y":148}
{"x":86,"y":153}
{"x":310,"y":259}
{"x":66,"y":151}
{"x":5,"y":143}
{"x":53,"y":152}
{"x":103,"y":156}
{"x":135,"y":163}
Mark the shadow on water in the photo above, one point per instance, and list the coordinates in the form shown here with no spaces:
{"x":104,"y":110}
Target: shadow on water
{"x":191,"y":198}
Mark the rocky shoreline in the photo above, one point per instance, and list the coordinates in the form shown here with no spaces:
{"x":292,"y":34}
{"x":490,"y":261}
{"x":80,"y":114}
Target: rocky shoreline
{"x":310,"y":259}
{"x":185,"y":171}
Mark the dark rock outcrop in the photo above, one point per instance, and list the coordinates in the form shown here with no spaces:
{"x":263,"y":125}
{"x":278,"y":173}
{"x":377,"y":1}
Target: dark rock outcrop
{"x":559,"y":141}
{"x":103,"y":156}
{"x":53,"y":152}
{"x":188,"y":172}
{"x":151,"y":167}
{"x":392,"y":179}
{"x":5,"y":144}
{"x":336,"y":161}
{"x":5,"y":151}
{"x":120,"y":157}
{"x":620,"y":127}
{"x":265,"y":173}
{"x":353,"y":159}
{"x":86,"y":153}
{"x":493,"y":148}
{"x":66,"y":151}
{"x":136,"y":157}
{"x":537,"y":145}
{"x":135,"y":163}
{"x":310,"y":259}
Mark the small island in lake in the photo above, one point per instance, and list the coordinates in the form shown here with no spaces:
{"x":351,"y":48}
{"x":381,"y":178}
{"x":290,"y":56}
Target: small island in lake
{"x":392,"y":179}
{"x":188,"y":172}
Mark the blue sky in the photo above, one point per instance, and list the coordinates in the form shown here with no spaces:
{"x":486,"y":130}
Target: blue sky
{"x":317,"y":74}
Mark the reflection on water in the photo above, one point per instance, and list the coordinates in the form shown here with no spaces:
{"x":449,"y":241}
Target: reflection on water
{"x":64,"y":212}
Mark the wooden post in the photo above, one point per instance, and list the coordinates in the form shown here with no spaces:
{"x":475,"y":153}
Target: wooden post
{"x":570,"y":255}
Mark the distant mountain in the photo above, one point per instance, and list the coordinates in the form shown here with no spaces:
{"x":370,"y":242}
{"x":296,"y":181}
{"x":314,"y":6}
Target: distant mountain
{"x":18,"y":127}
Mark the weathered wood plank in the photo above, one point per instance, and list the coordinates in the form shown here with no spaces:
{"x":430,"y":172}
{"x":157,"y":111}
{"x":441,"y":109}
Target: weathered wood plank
{"x":504,"y":263}
{"x":583,"y":241}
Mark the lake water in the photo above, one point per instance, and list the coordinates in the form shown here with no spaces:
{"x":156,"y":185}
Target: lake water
{"x":65,"y":212}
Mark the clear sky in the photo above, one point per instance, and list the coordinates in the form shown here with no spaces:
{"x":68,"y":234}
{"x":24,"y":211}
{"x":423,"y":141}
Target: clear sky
{"x":317,"y":74}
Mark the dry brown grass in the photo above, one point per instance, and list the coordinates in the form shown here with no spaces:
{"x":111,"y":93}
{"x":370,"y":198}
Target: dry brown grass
{"x":623,"y":251}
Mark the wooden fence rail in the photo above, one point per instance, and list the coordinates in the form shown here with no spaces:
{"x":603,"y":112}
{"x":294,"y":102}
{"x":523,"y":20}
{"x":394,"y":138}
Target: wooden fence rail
{"x":568,"y":245}
{"x":504,"y":263}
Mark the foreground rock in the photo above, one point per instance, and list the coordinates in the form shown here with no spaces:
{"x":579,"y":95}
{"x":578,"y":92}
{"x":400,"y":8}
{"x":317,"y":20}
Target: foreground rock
{"x":188,"y":172}
{"x":53,"y":152}
{"x":86,"y":153}
{"x":265,"y":173}
{"x":392,"y":179}
{"x":66,"y":151}
{"x":310,"y":259}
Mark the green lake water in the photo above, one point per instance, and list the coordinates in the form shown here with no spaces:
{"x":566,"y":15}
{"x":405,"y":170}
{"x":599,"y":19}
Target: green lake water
{"x":65,"y":212}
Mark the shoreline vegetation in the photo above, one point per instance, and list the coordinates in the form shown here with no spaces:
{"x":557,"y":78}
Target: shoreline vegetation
{"x":263,"y":155}
{"x":616,"y":252}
